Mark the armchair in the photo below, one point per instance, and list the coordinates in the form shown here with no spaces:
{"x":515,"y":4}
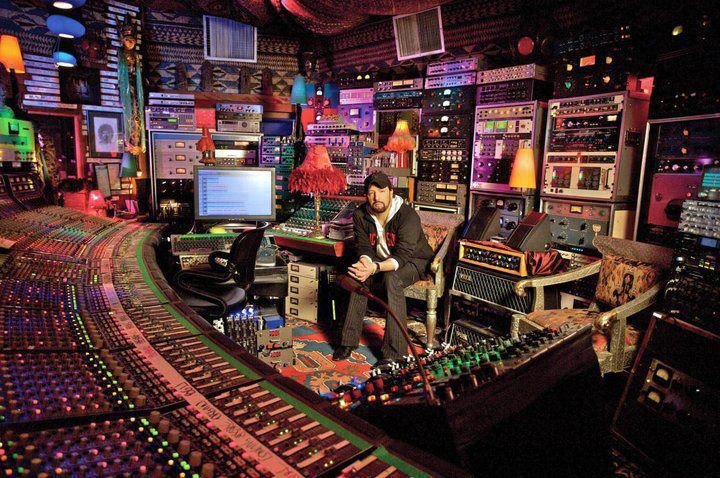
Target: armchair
{"x":211,"y":292}
{"x":440,"y":230}
{"x":630,"y":277}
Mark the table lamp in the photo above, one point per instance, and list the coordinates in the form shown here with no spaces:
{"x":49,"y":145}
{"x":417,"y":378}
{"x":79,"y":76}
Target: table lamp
{"x":11,"y":58}
{"x":96,"y":201}
{"x":522,"y":175}
{"x":401,"y":142}
{"x":206,"y":146}
{"x":317,"y":176}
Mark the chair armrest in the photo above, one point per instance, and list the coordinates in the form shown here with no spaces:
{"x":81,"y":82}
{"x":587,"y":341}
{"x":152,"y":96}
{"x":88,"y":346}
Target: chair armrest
{"x":218,"y":277}
{"x":437,"y":262}
{"x":605,"y":319}
{"x":561,"y":278}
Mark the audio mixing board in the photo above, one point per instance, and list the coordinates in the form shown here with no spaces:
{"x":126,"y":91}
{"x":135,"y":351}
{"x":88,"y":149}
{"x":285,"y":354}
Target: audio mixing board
{"x":480,"y":385}
{"x":108,"y":373}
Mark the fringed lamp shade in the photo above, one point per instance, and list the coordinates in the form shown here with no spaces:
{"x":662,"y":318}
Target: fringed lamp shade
{"x":401,"y":142}
{"x":316,"y":175}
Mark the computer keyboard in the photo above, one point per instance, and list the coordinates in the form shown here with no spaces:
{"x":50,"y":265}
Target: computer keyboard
{"x":200,"y":243}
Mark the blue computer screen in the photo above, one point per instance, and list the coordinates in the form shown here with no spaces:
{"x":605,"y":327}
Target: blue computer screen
{"x":234,"y":193}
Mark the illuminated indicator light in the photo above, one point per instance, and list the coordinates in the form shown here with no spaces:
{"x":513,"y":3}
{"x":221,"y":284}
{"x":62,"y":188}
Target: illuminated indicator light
{"x":677,"y":30}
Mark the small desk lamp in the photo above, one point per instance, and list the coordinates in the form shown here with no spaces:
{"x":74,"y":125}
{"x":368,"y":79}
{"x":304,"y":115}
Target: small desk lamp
{"x":11,"y":58}
{"x":96,"y":201}
{"x":522,"y":175}
{"x":401,"y":142}
{"x":316,"y":176}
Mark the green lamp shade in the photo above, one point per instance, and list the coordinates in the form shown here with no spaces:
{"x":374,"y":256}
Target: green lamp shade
{"x":128,"y":166}
{"x":6,"y":112}
{"x":298,"y":96}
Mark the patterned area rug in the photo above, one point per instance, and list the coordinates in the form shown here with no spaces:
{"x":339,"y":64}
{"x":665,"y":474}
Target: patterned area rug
{"x":314,"y":367}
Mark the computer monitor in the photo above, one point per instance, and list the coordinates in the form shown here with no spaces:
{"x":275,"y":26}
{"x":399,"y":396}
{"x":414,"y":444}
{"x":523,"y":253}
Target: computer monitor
{"x":234,"y":194}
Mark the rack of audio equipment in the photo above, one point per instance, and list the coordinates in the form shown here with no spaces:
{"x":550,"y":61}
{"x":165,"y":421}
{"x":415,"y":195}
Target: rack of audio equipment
{"x":676,"y":152}
{"x":509,"y":115}
{"x":590,"y":166}
{"x":172,"y":158}
{"x":445,"y":136}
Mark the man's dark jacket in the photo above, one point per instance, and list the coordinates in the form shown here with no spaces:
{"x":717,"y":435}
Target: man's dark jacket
{"x":403,"y":234}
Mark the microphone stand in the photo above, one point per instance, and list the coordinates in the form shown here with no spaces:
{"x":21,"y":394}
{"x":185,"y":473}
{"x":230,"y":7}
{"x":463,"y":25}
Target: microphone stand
{"x":352,"y":285}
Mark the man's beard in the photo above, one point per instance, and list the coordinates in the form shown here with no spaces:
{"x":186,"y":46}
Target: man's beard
{"x":378,"y":207}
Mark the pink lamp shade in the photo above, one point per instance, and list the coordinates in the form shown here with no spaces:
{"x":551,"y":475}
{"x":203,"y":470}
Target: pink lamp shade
{"x":523,"y":170}
{"x":401,"y":142}
{"x":96,"y":200}
{"x":10,"y":55}
{"x":316,"y":174}
{"x":207,"y":147}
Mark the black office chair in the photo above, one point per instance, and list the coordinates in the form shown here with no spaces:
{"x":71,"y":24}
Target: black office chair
{"x":232,"y":273}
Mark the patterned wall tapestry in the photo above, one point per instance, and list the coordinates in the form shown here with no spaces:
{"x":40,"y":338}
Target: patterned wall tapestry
{"x":482,"y":28}
{"x":174,"y":39}
{"x":96,"y":49}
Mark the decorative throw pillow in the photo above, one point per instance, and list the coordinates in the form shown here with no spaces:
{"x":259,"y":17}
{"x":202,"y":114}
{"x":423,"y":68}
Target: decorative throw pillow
{"x":621,"y":280}
{"x":435,"y":234}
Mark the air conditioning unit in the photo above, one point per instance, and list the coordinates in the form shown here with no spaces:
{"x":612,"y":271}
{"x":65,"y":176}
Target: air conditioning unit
{"x":228,"y":40}
{"x":419,"y":34}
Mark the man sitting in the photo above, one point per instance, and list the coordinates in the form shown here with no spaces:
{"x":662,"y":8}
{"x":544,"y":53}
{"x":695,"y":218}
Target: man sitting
{"x":393,"y":254}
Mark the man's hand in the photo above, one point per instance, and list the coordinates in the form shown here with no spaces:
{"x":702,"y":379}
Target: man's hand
{"x":361,"y":270}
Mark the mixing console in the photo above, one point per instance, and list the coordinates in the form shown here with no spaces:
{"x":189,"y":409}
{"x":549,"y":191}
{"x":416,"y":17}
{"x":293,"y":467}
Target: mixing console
{"x":456,"y":370}
{"x":276,"y":424}
{"x":25,"y":329}
{"x":8,"y":207}
{"x":107,"y":373}
{"x":57,"y":385}
{"x":303,"y":221}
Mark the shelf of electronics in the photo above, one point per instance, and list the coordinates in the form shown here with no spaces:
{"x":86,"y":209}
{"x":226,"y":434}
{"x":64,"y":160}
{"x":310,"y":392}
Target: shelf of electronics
{"x":467,"y":123}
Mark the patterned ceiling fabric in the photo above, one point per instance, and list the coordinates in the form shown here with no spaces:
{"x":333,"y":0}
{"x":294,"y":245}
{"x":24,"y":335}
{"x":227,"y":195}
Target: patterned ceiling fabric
{"x":322,"y":17}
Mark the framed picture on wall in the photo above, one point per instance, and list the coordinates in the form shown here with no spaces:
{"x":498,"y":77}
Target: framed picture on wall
{"x":105,"y":134}
{"x":79,"y":86}
{"x":114,"y":173}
